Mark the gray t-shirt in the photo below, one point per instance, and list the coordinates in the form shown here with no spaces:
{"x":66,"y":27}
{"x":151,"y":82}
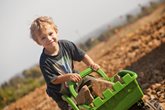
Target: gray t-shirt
{"x":52,"y":66}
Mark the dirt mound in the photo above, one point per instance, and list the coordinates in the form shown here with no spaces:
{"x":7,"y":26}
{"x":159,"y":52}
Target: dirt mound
{"x":139,"y":47}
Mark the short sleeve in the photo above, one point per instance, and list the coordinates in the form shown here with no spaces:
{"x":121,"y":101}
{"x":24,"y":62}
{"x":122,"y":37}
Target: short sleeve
{"x":76,"y":53}
{"x":49,"y":74}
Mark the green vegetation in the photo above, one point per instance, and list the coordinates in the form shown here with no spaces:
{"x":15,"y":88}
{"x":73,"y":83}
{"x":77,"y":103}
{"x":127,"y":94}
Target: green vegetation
{"x":20,"y":85}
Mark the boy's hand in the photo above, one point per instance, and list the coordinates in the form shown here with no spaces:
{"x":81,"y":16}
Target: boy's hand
{"x":95,"y":66}
{"x":88,"y":61}
{"x":74,"y":77}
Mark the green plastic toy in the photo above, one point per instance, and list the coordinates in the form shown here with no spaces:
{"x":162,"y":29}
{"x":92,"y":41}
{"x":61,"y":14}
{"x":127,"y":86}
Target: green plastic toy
{"x":122,"y":97}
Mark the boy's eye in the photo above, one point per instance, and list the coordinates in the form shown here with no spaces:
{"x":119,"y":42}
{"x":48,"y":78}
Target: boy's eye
{"x":50,"y":33}
{"x":43,"y":38}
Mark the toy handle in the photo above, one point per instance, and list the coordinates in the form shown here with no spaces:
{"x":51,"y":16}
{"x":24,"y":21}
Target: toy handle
{"x":83,"y":74}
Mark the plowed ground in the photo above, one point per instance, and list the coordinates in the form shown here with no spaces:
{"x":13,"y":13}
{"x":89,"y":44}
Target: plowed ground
{"x":139,"y":46}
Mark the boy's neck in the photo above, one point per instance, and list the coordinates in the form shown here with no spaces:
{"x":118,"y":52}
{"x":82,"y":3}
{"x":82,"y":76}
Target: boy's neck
{"x":52,"y":51}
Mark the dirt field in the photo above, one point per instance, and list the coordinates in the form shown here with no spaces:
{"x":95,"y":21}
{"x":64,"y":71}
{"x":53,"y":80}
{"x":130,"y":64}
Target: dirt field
{"x":139,"y":46}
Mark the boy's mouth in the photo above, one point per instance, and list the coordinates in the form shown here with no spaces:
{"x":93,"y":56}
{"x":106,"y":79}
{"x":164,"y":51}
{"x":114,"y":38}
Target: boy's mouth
{"x":52,"y":41}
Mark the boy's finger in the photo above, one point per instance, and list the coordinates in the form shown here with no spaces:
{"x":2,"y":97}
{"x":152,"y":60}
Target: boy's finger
{"x":77,"y":78}
{"x":95,"y":67}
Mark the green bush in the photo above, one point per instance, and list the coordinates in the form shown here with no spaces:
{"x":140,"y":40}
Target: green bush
{"x":19,"y":86}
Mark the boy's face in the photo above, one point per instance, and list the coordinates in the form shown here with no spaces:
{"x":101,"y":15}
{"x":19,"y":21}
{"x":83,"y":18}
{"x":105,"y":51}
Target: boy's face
{"x":47,"y":36}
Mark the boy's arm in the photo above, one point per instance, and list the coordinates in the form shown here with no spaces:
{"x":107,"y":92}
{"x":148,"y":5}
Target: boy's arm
{"x":89,"y":62}
{"x":67,"y":77}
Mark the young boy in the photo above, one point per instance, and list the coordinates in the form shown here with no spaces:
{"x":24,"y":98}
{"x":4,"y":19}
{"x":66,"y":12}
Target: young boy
{"x":56,"y":61}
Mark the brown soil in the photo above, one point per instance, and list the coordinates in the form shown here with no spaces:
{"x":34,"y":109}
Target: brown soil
{"x":139,"y":46}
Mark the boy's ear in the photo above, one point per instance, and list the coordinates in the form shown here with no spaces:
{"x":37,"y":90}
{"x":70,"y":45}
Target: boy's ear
{"x":39,"y":43}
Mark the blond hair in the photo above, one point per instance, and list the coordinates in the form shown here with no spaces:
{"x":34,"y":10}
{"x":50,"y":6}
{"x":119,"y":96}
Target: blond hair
{"x":38,"y":24}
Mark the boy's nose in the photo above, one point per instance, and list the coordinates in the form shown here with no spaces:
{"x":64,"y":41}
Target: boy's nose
{"x":49,"y":37}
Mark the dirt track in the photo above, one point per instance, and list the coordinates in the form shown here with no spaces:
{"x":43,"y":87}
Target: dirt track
{"x":139,"y":47}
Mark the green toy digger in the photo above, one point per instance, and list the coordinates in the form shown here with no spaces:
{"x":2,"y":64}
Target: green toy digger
{"x":122,"y":97}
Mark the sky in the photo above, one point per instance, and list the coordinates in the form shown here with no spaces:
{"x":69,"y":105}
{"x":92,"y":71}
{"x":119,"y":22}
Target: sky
{"x":74,"y":18}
